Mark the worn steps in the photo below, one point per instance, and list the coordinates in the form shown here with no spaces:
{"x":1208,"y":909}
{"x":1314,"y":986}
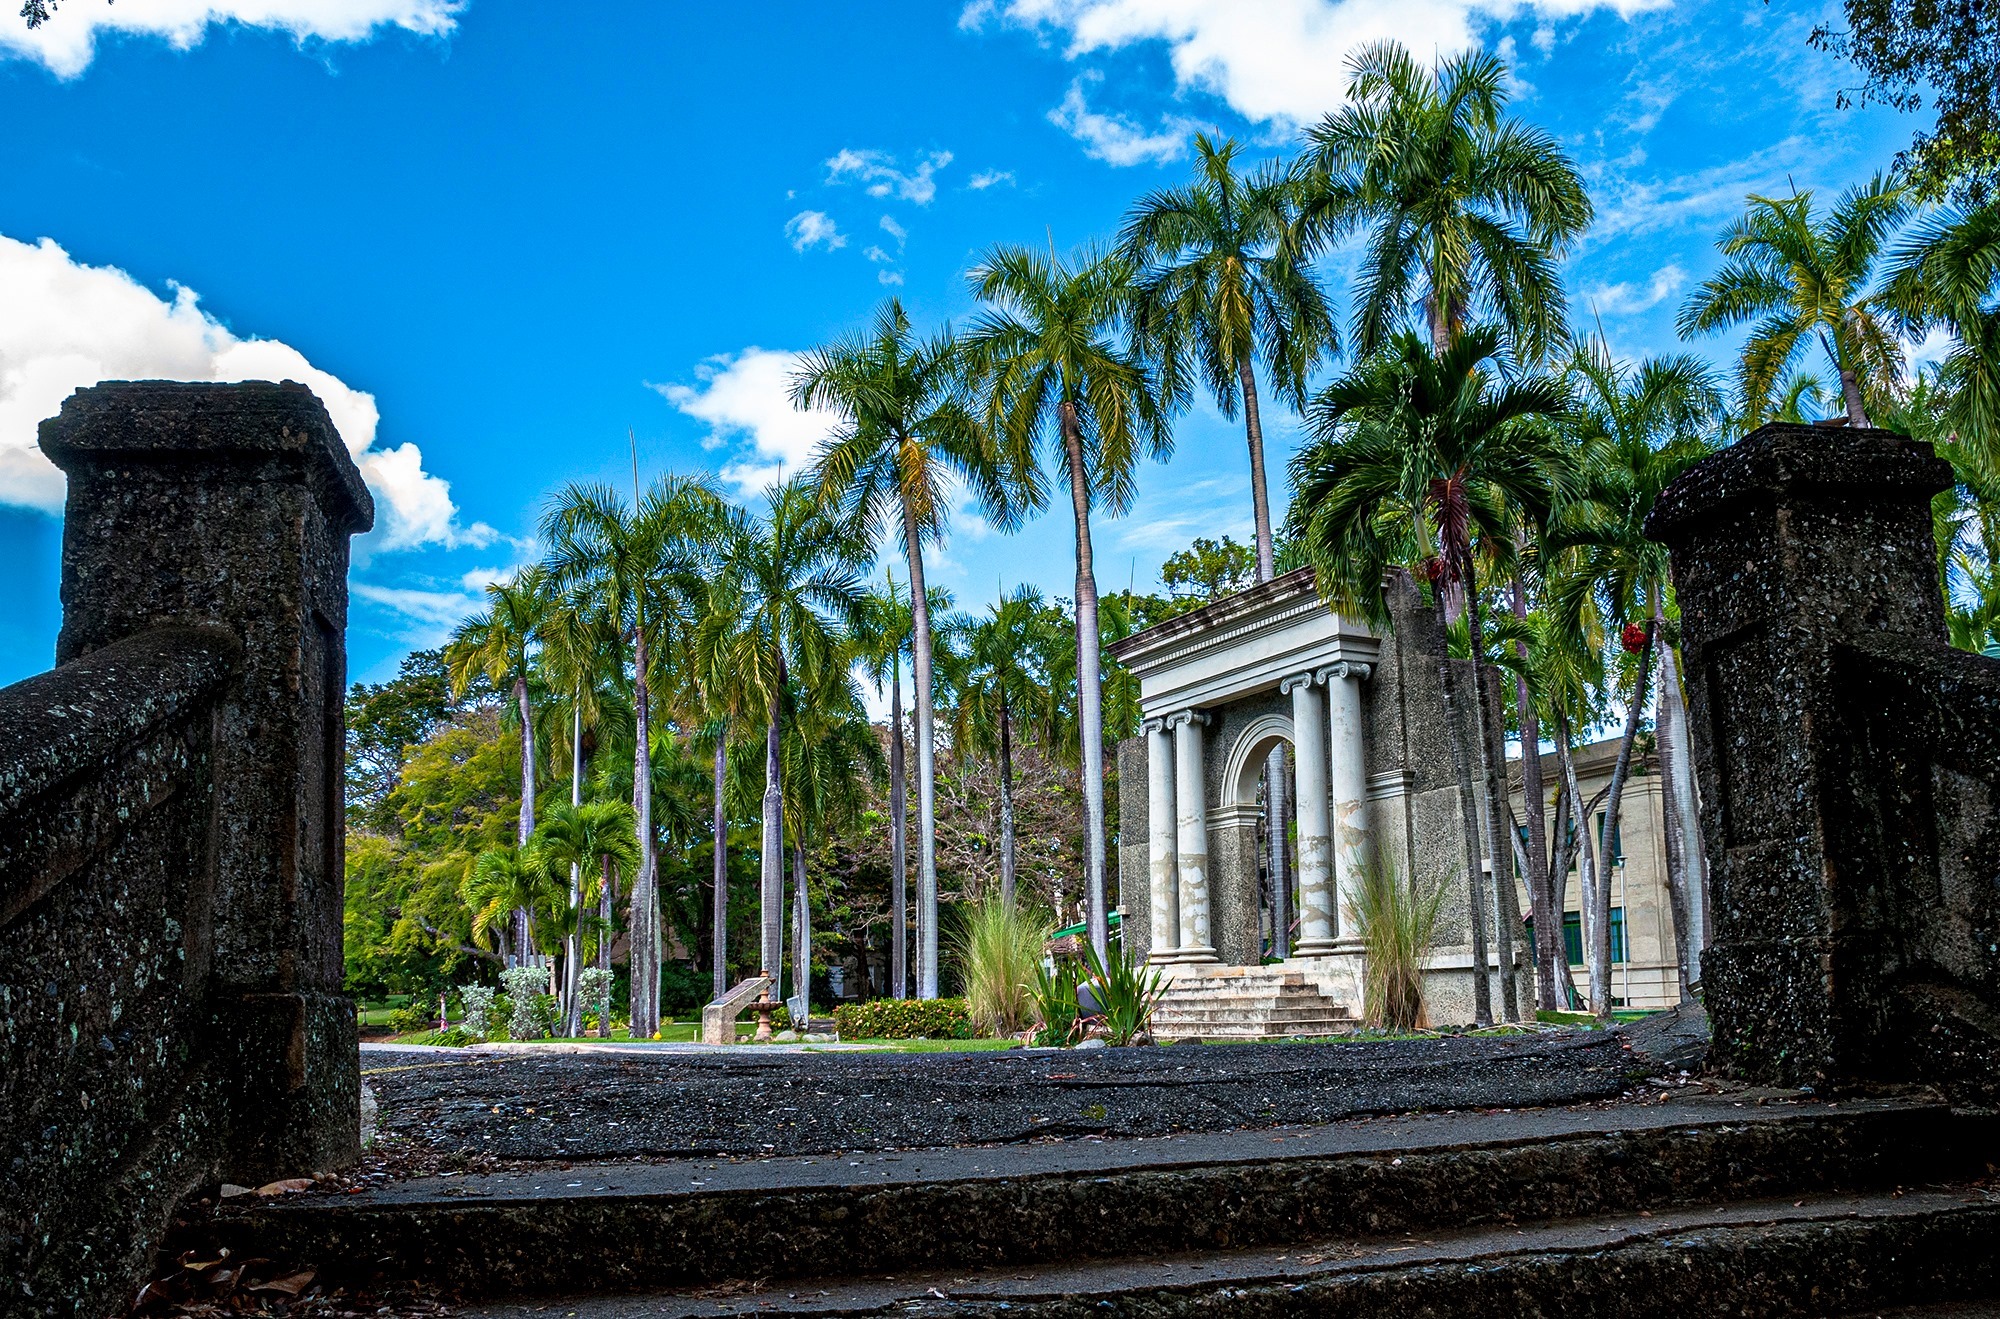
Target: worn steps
{"x":1246,"y":1004}
{"x":716,"y":1222}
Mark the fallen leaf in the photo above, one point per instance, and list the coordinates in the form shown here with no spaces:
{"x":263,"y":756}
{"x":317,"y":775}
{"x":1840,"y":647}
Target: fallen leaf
{"x":231,"y":1190}
{"x":291,"y":1285}
{"x":285,"y":1187}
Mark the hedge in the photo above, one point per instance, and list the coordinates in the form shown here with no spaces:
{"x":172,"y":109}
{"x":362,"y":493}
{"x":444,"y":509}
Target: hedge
{"x":904,"y":1019}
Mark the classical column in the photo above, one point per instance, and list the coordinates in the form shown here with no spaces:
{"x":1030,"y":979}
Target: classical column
{"x":1191,"y":821}
{"x":1160,"y":825}
{"x":1317,"y":919}
{"x":1347,"y":782}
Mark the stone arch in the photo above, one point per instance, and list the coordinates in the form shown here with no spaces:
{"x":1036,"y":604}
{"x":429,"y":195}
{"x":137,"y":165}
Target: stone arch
{"x":1245,"y":764}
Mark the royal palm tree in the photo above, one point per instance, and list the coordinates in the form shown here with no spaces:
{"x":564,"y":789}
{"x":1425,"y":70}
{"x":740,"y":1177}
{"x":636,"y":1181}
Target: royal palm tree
{"x":728,"y":700}
{"x":1466,"y":210}
{"x":1216,"y":296}
{"x":1805,"y":278}
{"x":1001,"y":681}
{"x":792,"y":584}
{"x":1638,"y":428}
{"x":831,"y":758}
{"x":879,"y":645}
{"x":597,"y":838}
{"x":1058,"y":379}
{"x":645,"y":568}
{"x":906,"y":445}
{"x":1427,"y":461}
{"x":499,"y":646}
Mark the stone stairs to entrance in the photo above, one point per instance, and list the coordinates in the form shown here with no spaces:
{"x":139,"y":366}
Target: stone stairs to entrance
{"x":1702,"y":1205}
{"x":1246,"y":1003}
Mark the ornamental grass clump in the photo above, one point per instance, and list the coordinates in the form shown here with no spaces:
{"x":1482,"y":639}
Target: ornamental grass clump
{"x":1397,"y":922}
{"x":999,"y":950}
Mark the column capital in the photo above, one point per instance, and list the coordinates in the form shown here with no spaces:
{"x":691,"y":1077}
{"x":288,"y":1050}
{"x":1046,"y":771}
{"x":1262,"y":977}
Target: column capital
{"x":1297,"y":680}
{"x":1345,"y":669}
{"x":1157,"y":724}
{"x":1198,"y":718}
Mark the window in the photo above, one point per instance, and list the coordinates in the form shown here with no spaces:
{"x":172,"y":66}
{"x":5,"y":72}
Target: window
{"x":1617,"y":843}
{"x":1573,"y":936}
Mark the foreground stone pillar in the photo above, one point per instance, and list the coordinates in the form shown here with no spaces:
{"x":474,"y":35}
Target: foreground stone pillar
{"x":230,"y":507}
{"x":1162,"y":861}
{"x":1805,"y":566}
{"x":1191,"y":836}
{"x":1318,"y":921}
{"x":1347,"y":786}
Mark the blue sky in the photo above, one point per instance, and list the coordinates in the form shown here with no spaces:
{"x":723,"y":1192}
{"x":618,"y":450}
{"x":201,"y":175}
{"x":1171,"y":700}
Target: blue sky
{"x":496,"y":237}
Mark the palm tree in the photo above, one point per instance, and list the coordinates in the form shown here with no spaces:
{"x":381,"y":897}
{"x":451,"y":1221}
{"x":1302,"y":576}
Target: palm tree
{"x":792,"y":583}
{"x":1216,"y":295}
{"x":1429,"y":460}
{"x":1803,"y":277}
{"x":831,"y":756}
{"x":1945,"y":276}
{"x":906,"y":444}
{"x":506,"y":881}
{"x":644,"y":568}
{"x":498,"y":646}
{"x":597,"y":836}
{"x":1638,"y":429}
{"x":878,"y":646}
{"x":1056,"y":377}
{"x":1001,"y":680}
{"x":1466,"y":209}
{"x":727,"y":697}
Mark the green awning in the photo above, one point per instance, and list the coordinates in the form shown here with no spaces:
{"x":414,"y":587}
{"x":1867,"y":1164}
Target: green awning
{"x":1068,"y":930}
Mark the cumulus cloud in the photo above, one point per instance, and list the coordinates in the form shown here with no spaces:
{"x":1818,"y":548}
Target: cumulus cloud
{"x":810,"y":229}
{"x":879,"y":175}
{"x":69,"y":325}
{"x":67,"y":43}
{"x":991,"y":178}
{"x":1627,"y":298}
{"x":1114,"y":139}
{"x":745,"y":400}
{"x":1277,"y":61}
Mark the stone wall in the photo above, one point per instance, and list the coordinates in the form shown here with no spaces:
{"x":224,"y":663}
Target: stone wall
{"x":170,"y":833}
{"x":1849,"y":764}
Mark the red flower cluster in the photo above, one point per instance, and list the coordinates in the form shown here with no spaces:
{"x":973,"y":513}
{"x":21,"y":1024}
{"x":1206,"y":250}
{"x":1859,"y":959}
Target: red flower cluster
{"x":1634,"y":638}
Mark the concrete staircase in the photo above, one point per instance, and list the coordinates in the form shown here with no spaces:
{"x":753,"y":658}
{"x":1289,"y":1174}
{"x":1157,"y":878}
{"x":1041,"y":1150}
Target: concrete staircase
{"x":1246,"y":1003}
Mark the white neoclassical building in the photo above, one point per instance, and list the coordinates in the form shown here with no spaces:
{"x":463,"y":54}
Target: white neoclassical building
{"x":1220,"y":688}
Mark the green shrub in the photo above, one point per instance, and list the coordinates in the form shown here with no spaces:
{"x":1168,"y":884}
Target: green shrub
{"x":454,"y":1038}
{"x":683,"y":990}
{"x":483,"y":1017}
{"x":1126,"y":991}
{"x":413,"y":1018}
{"x":904,"y":1019}
{"x":1396,"y":922}
{"x":999,"y":952}
{"x":1055,"y":1002}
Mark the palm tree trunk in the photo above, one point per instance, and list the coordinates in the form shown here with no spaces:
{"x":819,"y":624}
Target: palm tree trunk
{"x":899,"y":830}
{"x":719,"y":901}
{"x":772,"y":859}
{"x":1006,"y":801}
{"x":802,"y":940}
{"x":644,"y":927}
{"x":1677,"y":770}
{"x":927,"y":891}
{"x":1613,"y":797}
{"x":605,"y":899}
{"x":1596,"y":896}
{"x":1260,"y":499}
{"x":1267,"y":566}
{"x":1090,"y":690}
{"x":1547,"y":914}
{"x":527,"y":829}
{"x":1482,"y":986}
{"x":572,"y":1004}
{"x":1506,"y":905}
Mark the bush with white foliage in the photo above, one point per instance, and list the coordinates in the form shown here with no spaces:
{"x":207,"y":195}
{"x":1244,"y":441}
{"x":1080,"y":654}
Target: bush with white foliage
{"x":594,"y":991}
{"x":477,"y":1001}
{"x":527,"y":986}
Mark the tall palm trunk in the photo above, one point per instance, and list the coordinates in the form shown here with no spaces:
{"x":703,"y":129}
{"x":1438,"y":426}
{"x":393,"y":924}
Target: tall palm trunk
{"x":1090,"y":690}
{"x":1006,"y":801}
{"x":1506,"y":905}
{"x":899,"y":830}
{"x":802,"y":939}
{"x":527,"y":827}
{"x":1275,"y":797}
{"x":644,"y":926}
{"x":1260,"y":499}
{"x":605,"y":898}
{"x":1850,"y":385}
{"x":1461,"y":760}
{"x":1547,"y":913}
{"x":719,"y":902}
{"x":572,"y":1004}
{"x":920,"y":639}
{"x":771,"y":889}
{"x":1677,"y":769}
{"x":1596,"y":904}
{"x":1608,"y":831}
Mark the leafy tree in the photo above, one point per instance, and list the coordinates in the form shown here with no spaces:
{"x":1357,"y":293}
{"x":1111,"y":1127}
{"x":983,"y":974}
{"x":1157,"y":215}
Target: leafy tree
{"x":1208,"y":570}
{"x":1218,"y":292}
{"x":1466,"y":210}
{"x":386,"y":720}
{"x":906,"y":443}
{"x":1806,"y":277}
{"x":1058,"y":378}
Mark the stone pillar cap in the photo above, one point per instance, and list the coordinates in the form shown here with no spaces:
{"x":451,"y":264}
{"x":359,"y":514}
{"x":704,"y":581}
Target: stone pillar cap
{"x":166,"y":421}
{"x":1784,"y":458}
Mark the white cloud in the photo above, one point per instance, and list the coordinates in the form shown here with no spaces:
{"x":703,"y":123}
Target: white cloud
{"x":991,"y":178}
{"x":890,"y":278}
{"x":432,"y":615}
{"x":745,"y":399}
{"x":814,"y":229}
{"x":67,"y":42}
{"x":895,"y":231}
{"x":70,"y":325}
{"x":878,"y":173}
{"x":1114,"y":139}
{"x":1628,"y":299}
{"x":1275,"y":61}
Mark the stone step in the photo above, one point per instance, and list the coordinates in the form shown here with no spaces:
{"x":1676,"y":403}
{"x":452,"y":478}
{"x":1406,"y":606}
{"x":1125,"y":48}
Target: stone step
{"x":1808,"y":1256}
{"x":1240,"y":1017}
{"x":1278,"y":1003}
{"x":700,"y":1222}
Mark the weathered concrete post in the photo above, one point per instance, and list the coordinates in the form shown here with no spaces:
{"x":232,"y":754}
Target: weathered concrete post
{"x":231,"y":506}
{"x":1790,"y":549}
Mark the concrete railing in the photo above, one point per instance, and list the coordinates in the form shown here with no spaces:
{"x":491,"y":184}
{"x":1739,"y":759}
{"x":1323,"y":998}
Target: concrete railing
{"x":718,"y":1019}
{"x":171,"y":833}
{"x":1849,"y":764}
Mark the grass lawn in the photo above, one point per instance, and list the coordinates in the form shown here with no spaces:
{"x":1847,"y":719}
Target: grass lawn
{"x":935,"y":1046}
